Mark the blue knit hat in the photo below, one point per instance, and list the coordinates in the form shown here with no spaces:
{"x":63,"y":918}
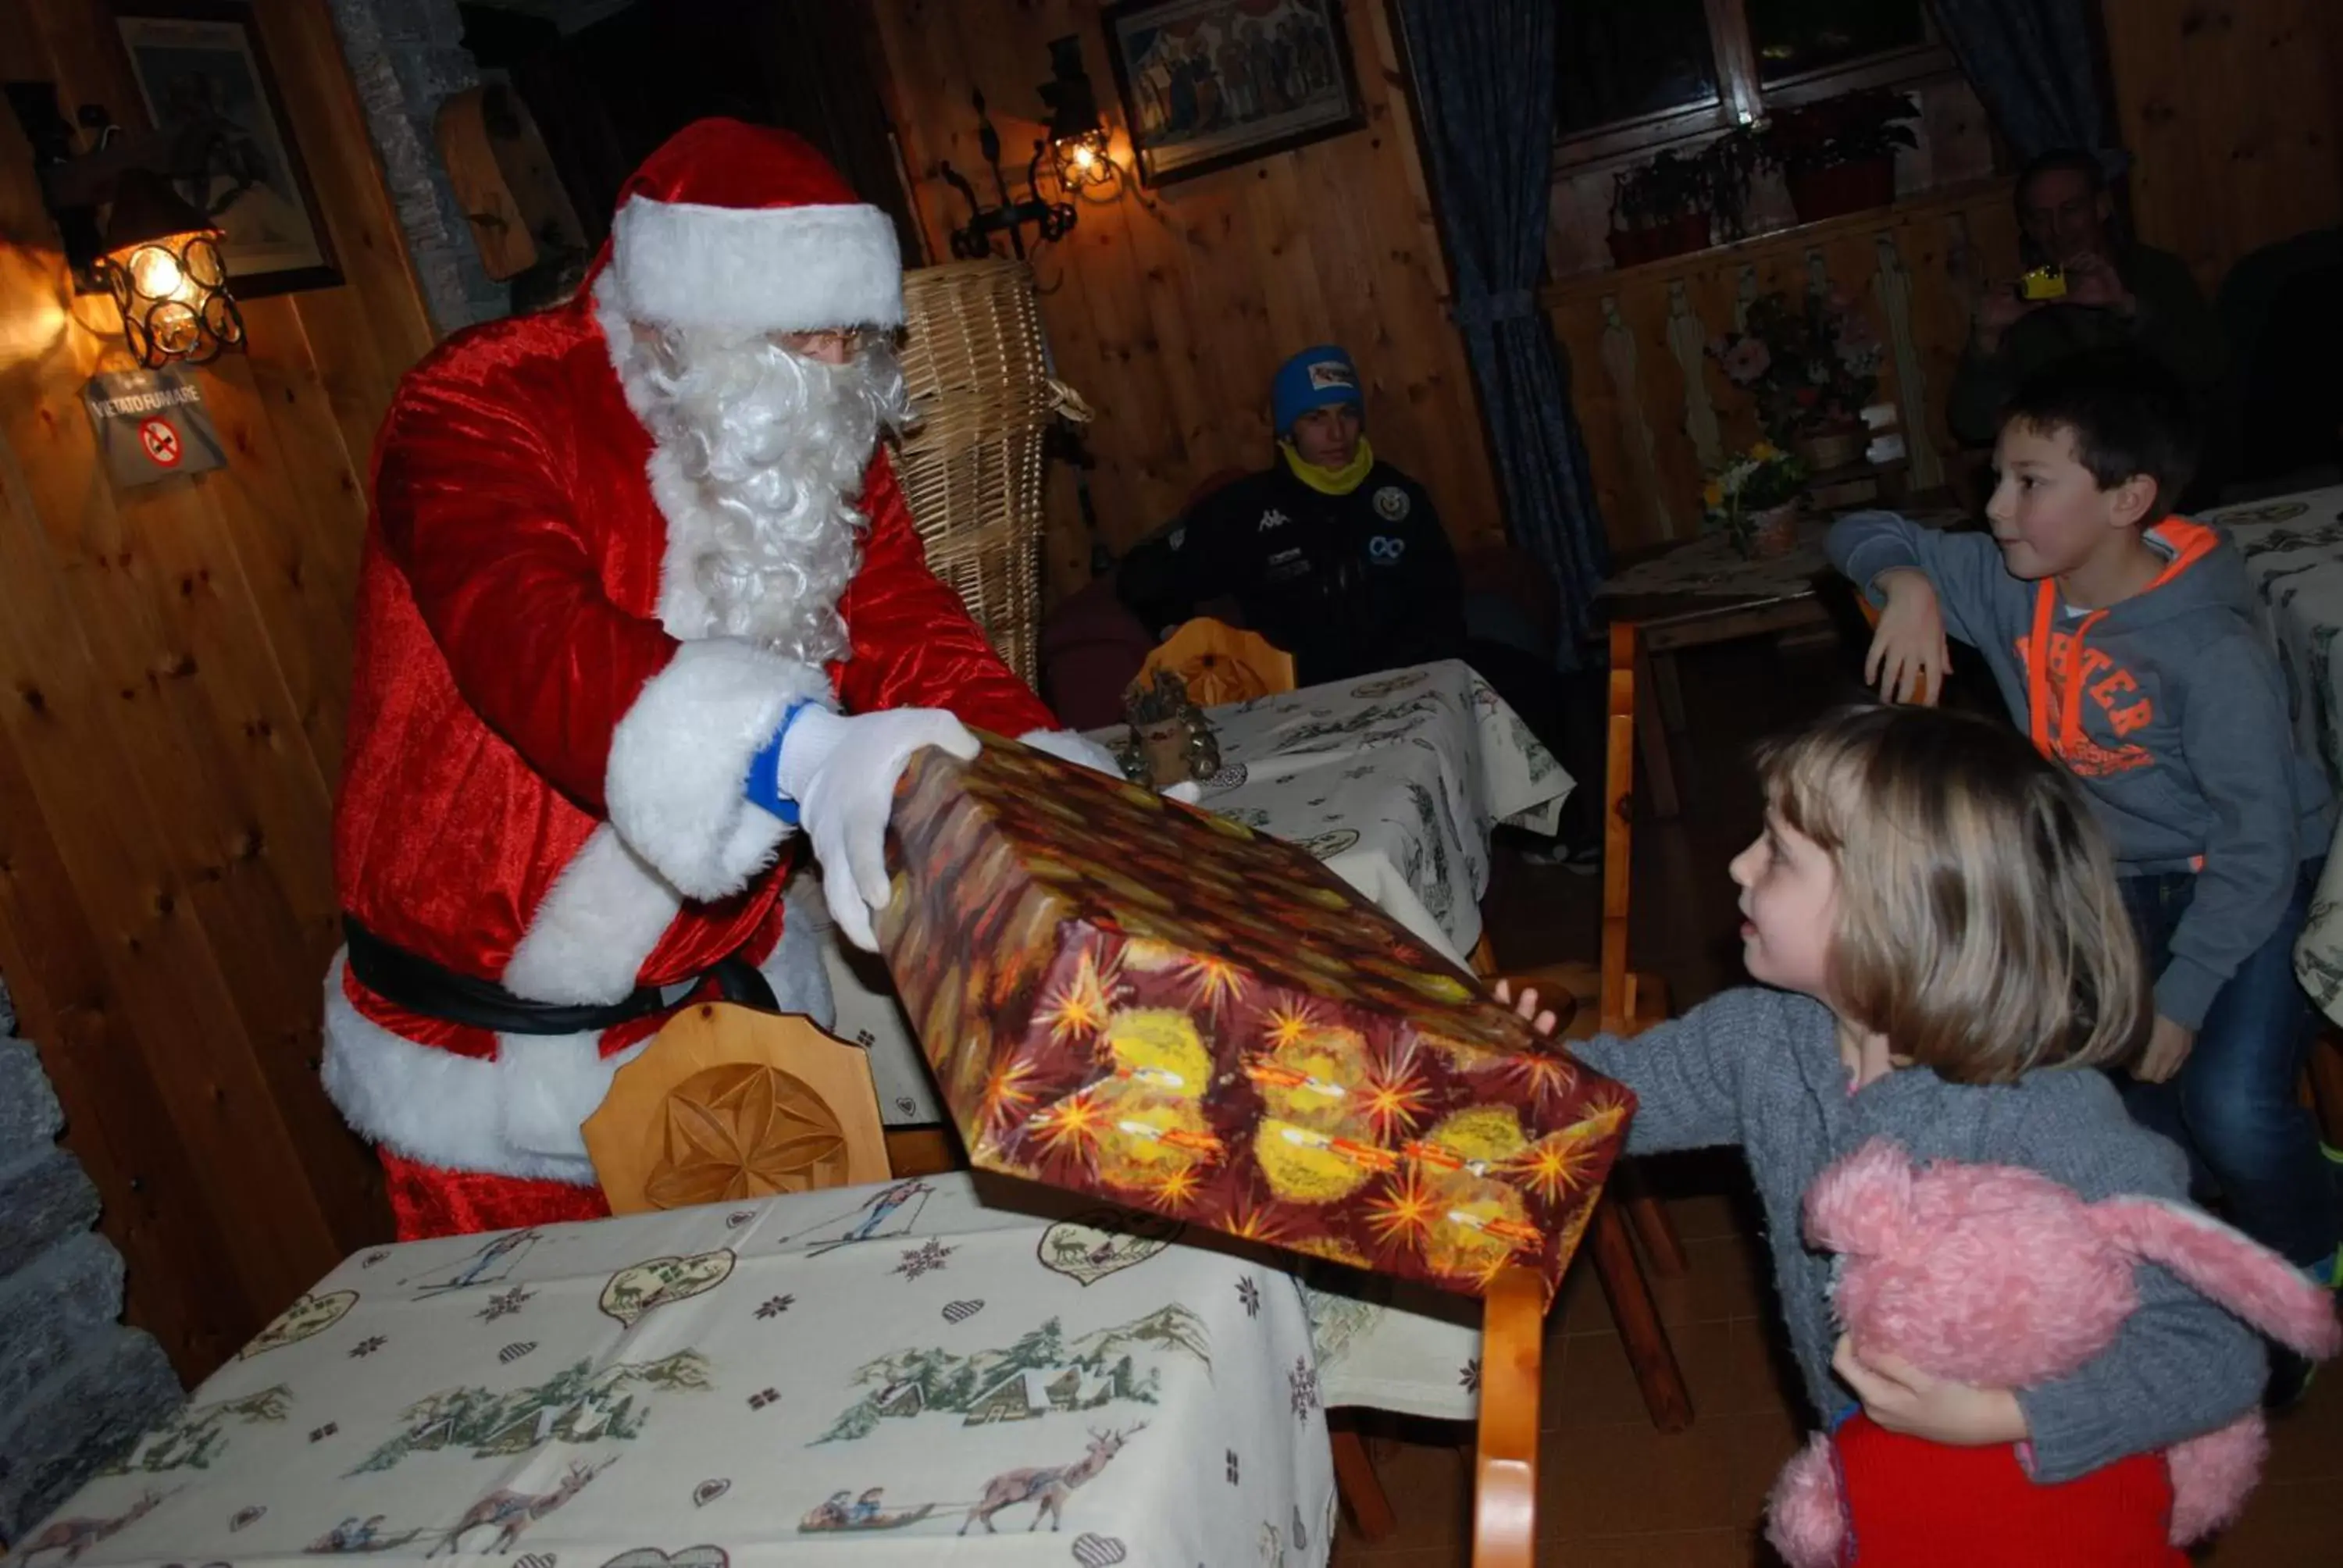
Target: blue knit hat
{"x":1316,"y":377}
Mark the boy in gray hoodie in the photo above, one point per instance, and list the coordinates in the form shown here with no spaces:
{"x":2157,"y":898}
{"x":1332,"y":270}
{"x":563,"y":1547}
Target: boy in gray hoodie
{"x":2123,"y":639}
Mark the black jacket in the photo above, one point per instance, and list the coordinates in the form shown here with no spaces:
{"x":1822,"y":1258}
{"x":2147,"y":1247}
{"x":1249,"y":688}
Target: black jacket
{"x":1347,"y":584}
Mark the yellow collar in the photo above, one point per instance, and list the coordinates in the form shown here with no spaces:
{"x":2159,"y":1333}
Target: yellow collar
{"x":1339,"y":481}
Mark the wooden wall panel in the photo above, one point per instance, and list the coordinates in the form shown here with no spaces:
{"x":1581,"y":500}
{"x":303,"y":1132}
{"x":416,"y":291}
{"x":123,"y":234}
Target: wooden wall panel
{"x":174,"y":667}
{"x":2228,"y":108}
{"x":1169,"y":309}
{"x":1633,"y":392}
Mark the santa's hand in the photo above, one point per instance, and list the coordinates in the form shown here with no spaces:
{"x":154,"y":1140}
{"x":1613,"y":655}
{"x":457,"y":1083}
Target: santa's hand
{"x":1901,"y":1398}
{"x":841,"y":773}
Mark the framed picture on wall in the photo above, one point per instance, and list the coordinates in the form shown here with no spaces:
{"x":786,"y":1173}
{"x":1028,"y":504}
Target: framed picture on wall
{"x":1206,"y":83}
{"x":202,"y":73}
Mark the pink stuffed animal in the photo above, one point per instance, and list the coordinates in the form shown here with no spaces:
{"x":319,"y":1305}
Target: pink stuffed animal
{"x":2001,"y":1278}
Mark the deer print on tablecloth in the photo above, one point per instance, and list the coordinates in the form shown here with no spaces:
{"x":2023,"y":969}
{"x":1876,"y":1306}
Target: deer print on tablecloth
{"x":1048,"y":1488}
{"x":74,"y":1536}
{"x":513,"y":1512}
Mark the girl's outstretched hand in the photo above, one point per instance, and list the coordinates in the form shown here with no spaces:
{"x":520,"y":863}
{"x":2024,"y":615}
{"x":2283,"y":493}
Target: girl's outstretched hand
{"x":1526,"y":1005}
{"x":1901,"y":1398}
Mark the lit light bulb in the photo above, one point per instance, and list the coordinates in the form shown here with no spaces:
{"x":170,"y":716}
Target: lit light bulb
{"x":1084,"y":160}
{"x":155,"y":273}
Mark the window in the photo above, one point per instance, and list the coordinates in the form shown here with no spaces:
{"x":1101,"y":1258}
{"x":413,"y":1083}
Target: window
{"x":1634,"y":75}
{"x":1793,"y":38}
{"x":1627,"y":59}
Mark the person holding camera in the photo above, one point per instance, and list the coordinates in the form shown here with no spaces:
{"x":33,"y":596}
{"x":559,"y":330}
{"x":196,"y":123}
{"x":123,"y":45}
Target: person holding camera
{"x":2089,"y":289}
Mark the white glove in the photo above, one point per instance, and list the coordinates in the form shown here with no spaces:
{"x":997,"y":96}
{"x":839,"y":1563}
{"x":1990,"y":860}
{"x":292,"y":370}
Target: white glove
{"x":841,"y":772}
{"x":1074,"y":747}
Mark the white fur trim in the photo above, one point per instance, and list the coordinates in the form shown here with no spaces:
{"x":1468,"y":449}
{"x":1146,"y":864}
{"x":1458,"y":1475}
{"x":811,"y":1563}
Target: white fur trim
{"x":680,"y":755}
{"x":757,"y":269}
{"x":595,"y":926}
{"x":517,"y":1115}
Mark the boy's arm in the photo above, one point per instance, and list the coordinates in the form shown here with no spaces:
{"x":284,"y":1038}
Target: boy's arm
{"x":2235,"y":743}
{"x":1687,"y":1073}
{"x":1156,"y":581}
{"x":1198,"y":559}
{"x":1965,"y":568}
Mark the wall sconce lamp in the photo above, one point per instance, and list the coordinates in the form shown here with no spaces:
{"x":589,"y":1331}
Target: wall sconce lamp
{"x":1077,"y":150}
{"x":156,"y":253}
{"x":163,"y":262}
{"x":1080,"y":146}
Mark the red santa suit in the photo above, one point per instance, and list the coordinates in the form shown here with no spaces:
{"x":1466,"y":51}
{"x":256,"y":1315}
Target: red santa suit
{"x":543,"y":782}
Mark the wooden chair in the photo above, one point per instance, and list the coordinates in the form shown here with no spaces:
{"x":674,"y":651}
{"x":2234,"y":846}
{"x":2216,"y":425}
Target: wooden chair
{"x":1613,"y":998}
{"x":796,"y":1108}
{"x":1504,"y":1459}
{"x":1222,"y":663}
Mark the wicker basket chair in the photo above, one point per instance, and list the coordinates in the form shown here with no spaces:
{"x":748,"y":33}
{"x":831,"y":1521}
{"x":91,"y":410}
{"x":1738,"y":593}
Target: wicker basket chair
{"x":977,"y":371}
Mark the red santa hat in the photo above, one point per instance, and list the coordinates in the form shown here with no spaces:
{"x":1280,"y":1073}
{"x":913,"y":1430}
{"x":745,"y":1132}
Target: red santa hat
{"x":748,"y":229}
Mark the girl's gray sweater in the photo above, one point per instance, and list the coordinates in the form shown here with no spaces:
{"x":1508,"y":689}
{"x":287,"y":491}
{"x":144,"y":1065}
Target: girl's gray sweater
{"x":1762,"y":1069}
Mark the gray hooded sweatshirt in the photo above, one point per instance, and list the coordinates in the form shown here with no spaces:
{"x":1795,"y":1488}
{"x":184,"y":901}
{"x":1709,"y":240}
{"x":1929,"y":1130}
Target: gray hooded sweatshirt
{"x":2167,"y":707}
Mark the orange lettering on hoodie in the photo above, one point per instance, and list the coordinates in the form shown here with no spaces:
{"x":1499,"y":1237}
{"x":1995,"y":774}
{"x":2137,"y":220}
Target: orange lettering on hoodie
{"x":2056,"y":681}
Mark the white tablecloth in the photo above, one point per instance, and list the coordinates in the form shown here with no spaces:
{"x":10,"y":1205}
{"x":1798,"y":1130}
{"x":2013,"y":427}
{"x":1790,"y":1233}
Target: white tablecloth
{"x":1393,"y":781}
{"x":707,"y":1388}
{"x":2293,"y":547}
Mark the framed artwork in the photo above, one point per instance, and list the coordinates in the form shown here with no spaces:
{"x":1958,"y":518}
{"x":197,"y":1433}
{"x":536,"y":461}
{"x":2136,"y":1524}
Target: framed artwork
{"x":200,"y":69}
{"x":1206,"y":83}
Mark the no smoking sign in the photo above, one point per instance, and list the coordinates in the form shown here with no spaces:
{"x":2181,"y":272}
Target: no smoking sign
{"x":161,"y":442}
{"x":152,"y":426}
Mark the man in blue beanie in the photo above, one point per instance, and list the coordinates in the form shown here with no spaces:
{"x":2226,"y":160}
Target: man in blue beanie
{"x":1335,"y":557}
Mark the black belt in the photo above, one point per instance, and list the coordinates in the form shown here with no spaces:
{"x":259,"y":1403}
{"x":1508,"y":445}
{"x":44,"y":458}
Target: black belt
{"x":409,"y":980}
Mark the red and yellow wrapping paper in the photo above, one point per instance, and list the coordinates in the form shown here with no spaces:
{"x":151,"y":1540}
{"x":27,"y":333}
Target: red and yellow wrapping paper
{"x":1125,"y":996}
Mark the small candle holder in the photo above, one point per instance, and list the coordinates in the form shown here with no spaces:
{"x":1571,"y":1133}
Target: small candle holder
{"x":1168,"y":739}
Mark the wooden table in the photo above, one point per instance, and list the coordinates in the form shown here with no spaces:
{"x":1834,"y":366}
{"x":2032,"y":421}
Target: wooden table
{"x":906,"y":1373}
{"x":1714,"y":606}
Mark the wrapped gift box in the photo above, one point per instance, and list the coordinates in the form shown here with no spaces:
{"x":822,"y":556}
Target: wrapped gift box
{"x":1127,"y":996}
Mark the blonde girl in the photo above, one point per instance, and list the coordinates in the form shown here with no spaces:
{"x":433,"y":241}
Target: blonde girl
{"x":1943,"y":960}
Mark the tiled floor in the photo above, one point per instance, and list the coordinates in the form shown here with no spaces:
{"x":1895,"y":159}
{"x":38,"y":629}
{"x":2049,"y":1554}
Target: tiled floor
{"x":1613,"y":1492}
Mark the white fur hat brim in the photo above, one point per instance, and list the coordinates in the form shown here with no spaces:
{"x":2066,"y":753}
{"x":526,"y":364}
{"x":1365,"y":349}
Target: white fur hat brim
{"x":757,"y":269}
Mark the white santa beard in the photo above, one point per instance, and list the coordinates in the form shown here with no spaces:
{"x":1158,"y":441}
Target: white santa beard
{"x":759,"y":459}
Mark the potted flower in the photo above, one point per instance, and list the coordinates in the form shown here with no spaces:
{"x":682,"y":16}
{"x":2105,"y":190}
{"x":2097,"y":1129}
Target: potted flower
{"x":1811,"y":367}
{"x":1838,"y":155}
{"x":1730,"y":162}
{"x":1754,"y":498}
{"x":1659,"y":208}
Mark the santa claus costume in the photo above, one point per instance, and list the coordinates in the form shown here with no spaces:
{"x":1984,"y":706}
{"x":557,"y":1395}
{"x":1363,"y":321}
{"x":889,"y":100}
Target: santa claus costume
{"x":616,"y":548}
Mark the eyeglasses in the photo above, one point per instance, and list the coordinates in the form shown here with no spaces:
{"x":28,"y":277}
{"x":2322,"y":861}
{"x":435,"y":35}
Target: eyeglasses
{"x":844,"y":342}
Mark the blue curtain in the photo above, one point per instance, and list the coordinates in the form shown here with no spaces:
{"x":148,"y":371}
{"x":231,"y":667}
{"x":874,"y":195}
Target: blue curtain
{"x":1484,"y":85}
{"x":2030,"y":62}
